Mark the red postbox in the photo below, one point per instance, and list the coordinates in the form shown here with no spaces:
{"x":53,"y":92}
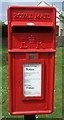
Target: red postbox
{"x":31,"y":58}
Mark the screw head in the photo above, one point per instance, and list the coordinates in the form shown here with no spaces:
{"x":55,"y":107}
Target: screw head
{"x":40,"y":42}
{"x":26,"y":46}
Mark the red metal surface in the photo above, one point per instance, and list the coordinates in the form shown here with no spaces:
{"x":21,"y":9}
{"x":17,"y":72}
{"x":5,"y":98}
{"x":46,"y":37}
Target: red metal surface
{"x":50,"y":24}
{"x":31,"y":30}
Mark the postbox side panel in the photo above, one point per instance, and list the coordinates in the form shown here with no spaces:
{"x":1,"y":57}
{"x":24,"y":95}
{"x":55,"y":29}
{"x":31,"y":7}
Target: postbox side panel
{"x":32,"y":105}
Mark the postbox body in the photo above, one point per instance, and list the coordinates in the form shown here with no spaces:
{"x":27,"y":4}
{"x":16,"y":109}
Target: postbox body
{"x":31,"y":58}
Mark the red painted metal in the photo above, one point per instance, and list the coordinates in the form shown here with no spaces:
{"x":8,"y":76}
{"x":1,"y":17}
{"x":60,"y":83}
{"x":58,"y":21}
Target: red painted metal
{"x":31,"y":30}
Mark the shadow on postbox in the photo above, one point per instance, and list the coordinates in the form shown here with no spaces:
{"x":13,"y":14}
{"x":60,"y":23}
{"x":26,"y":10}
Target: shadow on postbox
{"x":31,"y":58}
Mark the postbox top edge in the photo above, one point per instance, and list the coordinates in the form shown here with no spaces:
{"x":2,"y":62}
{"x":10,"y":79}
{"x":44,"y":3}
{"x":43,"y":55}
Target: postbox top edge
{"x":37,"y":7}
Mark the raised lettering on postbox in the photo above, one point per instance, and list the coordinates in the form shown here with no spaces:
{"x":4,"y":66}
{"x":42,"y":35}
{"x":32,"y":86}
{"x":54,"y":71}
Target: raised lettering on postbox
{"x":31,"y":16}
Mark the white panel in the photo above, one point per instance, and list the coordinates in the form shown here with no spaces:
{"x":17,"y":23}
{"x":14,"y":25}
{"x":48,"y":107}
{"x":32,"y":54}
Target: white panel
{"x":32,"y":79}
